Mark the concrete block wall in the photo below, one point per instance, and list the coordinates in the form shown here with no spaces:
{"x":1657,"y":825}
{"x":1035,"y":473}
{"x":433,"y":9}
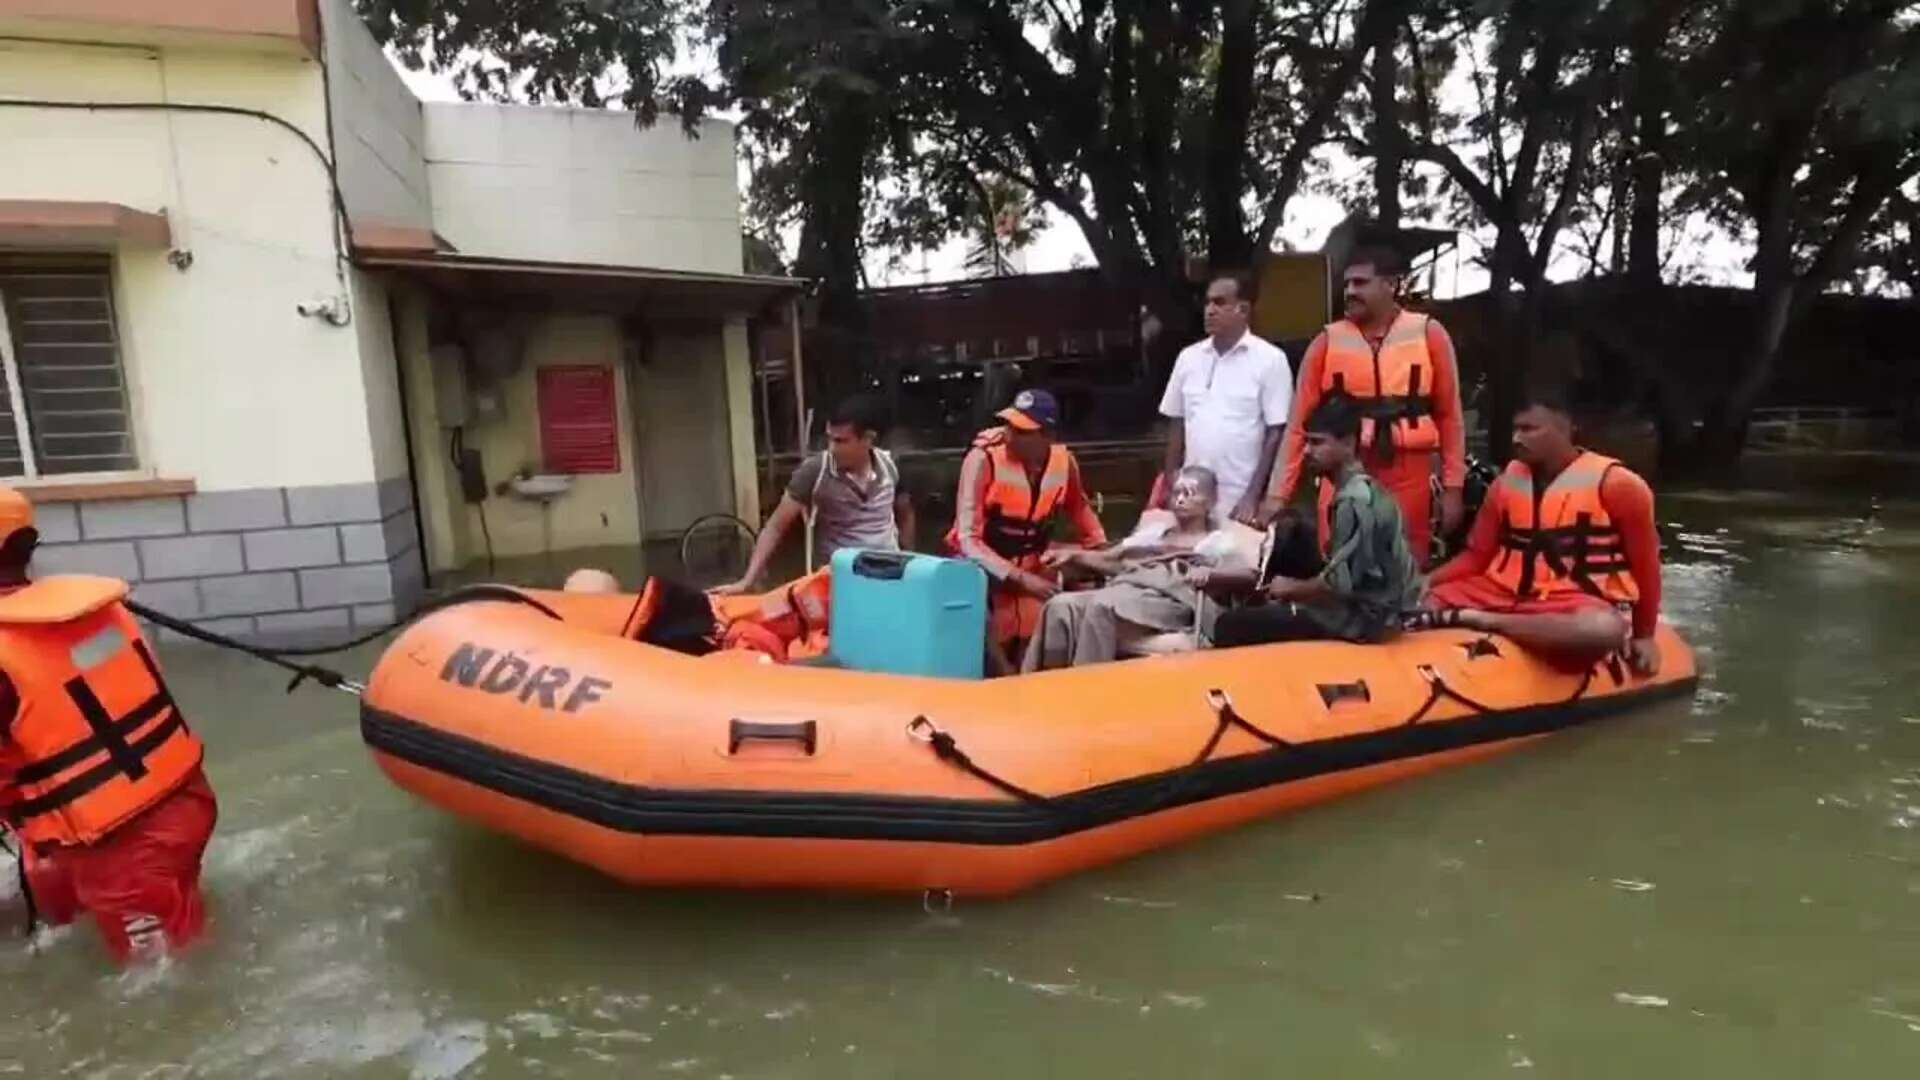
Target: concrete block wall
{"x":264,"y":564}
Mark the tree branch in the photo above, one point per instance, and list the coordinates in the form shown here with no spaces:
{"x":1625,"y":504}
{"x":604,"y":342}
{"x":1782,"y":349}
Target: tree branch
{"x":1375,"y":23}
{"x":1579,"y":150}
{"x":1482,"y":194}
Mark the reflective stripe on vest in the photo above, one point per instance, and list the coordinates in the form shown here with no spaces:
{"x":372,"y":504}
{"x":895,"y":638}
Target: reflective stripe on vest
{"x":1014,"y":520}
{"x":1016,"y":515}
{"x":1394,"y":384}
{"x":1561,"y":540}
{"x":99,"y":734}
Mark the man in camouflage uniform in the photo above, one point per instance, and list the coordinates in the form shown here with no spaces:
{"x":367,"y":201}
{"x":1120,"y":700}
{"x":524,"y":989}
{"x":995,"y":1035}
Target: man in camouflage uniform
{"x":1367,"y":578}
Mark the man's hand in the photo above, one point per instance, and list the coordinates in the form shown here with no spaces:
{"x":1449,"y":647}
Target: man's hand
{"x":1643,"y":656}
{"x":1199,"y":576}
{"x":1055,"y":558}
{"x":1453,"y":510}
{"x":1284,"y":588}
{"x":1251,"y":511}
{"x":732,"y":588}
{"x":1036,"y":585}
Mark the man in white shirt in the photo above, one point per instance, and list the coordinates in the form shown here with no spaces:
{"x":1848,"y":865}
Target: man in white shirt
{"x":1228,"y":399}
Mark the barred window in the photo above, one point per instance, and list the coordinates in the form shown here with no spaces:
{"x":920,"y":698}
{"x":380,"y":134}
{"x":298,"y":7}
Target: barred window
{"x":64,"y":410}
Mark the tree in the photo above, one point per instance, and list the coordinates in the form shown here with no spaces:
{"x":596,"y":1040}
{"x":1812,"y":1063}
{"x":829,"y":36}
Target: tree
{"x":1891,"y":254}
{"x":1540,"y":72}
{"x":1163,"y":130}
{"x":817,"y":83}
{"x":1804,"y":121}
{"x":590,"y":53}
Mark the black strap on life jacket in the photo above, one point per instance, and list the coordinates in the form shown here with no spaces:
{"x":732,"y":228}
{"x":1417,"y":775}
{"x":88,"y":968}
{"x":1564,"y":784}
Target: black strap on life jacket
{"x":1386,"y":410}
{"x":110,"y":736}
{"x":1016,"y":537}
{"x":1580,"y":552}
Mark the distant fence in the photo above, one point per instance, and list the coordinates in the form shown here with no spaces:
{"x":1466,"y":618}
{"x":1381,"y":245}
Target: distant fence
{"x":1821,"y":426}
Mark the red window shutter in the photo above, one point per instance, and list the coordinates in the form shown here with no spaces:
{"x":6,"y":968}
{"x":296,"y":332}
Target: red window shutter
{"x":579,"y":426}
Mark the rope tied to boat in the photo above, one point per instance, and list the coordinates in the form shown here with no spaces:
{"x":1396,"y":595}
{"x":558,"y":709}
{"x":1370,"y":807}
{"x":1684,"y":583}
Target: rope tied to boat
{"x":1437,"y":689}
{"x":921,"y":729}
{"x":947,"y":749}
{"x":324,"y":676}
{"x":327,"y":677}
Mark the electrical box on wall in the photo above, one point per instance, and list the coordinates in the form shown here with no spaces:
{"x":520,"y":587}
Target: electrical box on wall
{"x":450,"y":398}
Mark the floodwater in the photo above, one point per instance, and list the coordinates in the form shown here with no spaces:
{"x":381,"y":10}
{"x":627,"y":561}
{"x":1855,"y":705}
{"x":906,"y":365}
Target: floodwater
{"x":1723,"y":888}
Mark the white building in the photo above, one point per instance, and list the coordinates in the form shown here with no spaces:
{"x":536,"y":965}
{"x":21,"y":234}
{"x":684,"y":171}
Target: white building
{"x":256,"y":296}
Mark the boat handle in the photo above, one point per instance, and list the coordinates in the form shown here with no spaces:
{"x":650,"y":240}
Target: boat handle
{"x":1332,"y":694}
{"x":804,"y":732}
{"x":884,"y":565}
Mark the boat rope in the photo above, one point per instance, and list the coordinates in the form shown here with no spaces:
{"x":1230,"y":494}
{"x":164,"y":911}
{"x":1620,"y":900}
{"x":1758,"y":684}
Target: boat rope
{"x":469,"y":595}
{"x":948,"y":750}
{"x":1437,"y":689}
{"x":327,"y":677}
{"x":1223,"y":709}
{"x":924,"y":730}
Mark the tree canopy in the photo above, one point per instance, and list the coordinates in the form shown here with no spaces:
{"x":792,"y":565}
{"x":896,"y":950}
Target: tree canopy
{"x":1177,"y":133}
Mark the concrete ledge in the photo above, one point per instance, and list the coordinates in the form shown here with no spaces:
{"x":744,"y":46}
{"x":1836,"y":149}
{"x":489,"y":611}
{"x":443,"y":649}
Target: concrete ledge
{"x":59,"y":225}
{"x":43,"y":492}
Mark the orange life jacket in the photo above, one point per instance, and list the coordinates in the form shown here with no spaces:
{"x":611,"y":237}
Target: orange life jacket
{"x":788,"y":623}
{"x":1561,"y":540}
{"x":1017,"y":515}
{"x":98,"y":734}
{"x":1393,"y":384}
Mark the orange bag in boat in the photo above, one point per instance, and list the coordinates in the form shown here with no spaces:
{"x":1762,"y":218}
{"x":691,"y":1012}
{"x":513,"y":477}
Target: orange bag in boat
{"x":795,"y":616}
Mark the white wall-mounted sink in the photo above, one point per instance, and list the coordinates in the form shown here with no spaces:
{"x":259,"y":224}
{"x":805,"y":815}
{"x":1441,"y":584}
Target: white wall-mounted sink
{"x":541,"y":487}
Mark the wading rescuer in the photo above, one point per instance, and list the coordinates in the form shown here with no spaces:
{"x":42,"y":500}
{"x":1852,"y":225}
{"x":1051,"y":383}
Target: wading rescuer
{"x":1564,"y":544}
{"x":100,"y":780}
{"x":1400,"y":367}
{"x":1015,"y":483}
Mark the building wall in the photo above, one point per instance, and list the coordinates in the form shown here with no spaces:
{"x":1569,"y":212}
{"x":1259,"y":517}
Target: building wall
{"x":285,"y":27}
{"x":600,"y":509}
{"x":264,"y":562}
{"x":379,"y":127}
{"x":580,"y":185}
{"x":234,"y":389}
{"x":686,"y":441}
{"x":270,"y":414}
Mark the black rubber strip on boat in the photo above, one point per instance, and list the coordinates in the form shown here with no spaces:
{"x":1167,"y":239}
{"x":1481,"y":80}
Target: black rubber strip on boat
{"x":666,"y":811}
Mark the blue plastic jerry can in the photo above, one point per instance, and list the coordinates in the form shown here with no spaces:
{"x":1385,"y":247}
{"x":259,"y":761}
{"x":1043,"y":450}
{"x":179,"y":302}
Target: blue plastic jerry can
{"x":908,"y":614}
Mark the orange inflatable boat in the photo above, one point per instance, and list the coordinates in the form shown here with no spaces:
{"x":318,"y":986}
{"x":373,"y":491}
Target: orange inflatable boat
{"x":540,"y":718}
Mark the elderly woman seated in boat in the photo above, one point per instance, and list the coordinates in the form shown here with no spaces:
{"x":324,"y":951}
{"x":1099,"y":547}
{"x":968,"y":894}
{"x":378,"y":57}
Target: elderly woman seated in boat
{"x":1146,"y":591}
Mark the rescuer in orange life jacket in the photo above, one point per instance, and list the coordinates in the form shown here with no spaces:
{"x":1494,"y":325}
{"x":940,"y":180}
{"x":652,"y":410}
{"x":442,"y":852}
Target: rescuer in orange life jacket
{"x":1400,"y":367}
{"x":1564,"y":556}
{"x":1015,"y":483}
{"x":100,"y":780}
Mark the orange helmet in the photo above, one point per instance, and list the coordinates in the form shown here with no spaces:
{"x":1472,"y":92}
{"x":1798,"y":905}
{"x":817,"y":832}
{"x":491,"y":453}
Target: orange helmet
{"x":16,"y":513}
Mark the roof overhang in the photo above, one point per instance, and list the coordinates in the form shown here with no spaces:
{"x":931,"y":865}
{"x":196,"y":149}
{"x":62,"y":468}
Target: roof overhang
{"x":280,"y":26}
{"x":381,"y":239}
{"x":58,"y":225}
{"x":586,"y":287}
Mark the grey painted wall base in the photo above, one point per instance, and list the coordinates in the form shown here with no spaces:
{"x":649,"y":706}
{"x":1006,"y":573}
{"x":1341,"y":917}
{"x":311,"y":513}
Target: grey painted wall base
{"x":273,"y":564}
